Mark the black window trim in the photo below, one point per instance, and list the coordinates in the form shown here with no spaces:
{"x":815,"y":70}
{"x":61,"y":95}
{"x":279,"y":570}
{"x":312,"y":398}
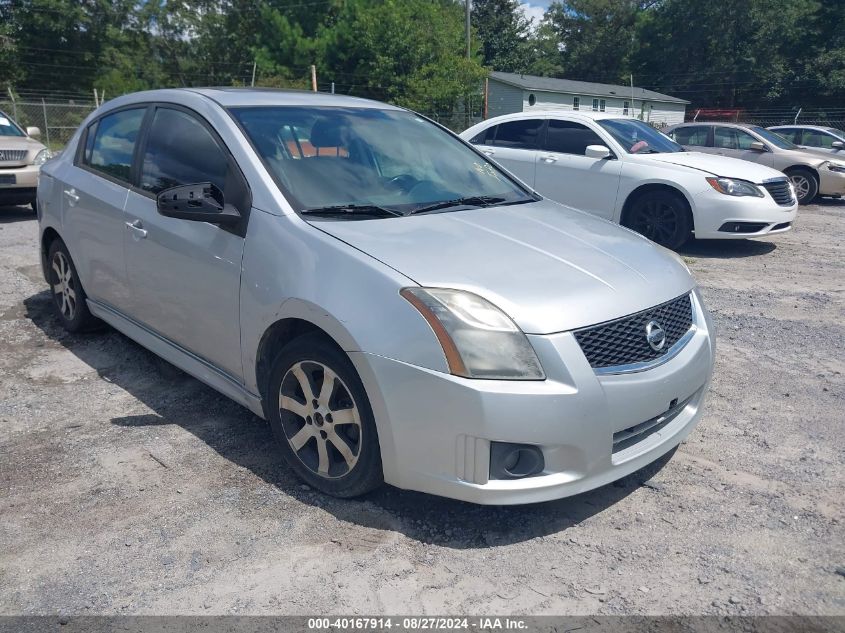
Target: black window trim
{"x":78,"y":159}
{"x":141,"y":144}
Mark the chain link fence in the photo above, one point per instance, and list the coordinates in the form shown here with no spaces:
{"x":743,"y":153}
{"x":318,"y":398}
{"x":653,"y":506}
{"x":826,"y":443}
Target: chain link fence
{"x":831,"y":117}
{"x":57,"y":121}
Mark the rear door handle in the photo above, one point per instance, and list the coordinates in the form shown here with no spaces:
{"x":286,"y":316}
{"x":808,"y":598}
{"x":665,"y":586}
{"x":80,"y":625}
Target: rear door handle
{"x":137,"y":228}
{"x":549,"y":159}
{"x":72,"y":197}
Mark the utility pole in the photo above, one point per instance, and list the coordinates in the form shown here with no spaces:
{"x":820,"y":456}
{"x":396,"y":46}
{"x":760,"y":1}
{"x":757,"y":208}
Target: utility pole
{"x":469,"y":10}
{"x":253,"y":74}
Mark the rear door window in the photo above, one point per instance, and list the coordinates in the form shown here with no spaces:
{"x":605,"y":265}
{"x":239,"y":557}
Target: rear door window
{"x":111,"y":143}
{"x":732,"y":138}
{"x":522,"y":134}
{"x":566,"y":137}
{"x":692,"y":135}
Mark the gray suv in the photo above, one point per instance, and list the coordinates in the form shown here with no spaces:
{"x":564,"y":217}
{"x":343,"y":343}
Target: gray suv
{"x":397,"y":307}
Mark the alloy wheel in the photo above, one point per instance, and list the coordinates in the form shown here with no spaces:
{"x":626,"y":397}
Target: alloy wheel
{"x":801,"y":184}
{"x":320,"y":419}
{"x":64,"y":286}
{"x":657,"y":220}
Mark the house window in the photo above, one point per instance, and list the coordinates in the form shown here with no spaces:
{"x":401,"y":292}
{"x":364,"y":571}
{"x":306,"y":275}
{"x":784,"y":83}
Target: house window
{"x":532,"y":99}
{"x":625,"y":106}
{"x":595,"y":105}
{"x":576,"y":103}
{"x":602,"y":104}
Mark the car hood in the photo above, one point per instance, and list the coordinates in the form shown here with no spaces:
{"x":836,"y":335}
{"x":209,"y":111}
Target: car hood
{"x":20,"y":142}
{"x":718,"y":165}
{"x":550,"y":267}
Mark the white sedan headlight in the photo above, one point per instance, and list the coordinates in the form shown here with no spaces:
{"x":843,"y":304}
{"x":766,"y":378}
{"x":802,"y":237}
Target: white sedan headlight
{"x":478,"y":339}
{"x":42,"y":157}
{"x":735,"y":187}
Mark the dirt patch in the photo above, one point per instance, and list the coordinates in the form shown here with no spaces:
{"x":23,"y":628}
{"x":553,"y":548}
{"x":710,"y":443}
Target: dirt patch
{"x":129,"y":487}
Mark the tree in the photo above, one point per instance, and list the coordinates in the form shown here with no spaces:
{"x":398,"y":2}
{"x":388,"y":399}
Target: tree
{"x":503,"y":30}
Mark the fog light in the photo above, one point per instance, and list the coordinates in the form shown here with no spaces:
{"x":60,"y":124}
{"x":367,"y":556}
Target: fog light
{"x":515,"y":461}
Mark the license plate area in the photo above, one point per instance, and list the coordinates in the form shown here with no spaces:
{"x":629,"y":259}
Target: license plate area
{"x":8,"y":179}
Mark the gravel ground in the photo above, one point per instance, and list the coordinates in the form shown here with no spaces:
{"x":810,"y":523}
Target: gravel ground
{"x":129,"y":487}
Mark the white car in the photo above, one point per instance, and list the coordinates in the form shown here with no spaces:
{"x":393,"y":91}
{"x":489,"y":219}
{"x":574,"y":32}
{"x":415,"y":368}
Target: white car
{"x":624,"y":170}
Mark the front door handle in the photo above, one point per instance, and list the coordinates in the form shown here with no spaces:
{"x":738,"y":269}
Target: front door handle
{"x":549,"y":159}
{"x":137,"y":228}
{"x":72,"y":197}
{"x":489,"y":152}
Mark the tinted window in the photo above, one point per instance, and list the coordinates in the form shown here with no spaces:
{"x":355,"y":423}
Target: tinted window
{"x":731,"y":138}
{"x":484,"y":137}
{"x":113,"y":144}
{"x":8,"y":127}
{"x":566,"y":137}
{"x":181,"y":151}
{"x":792,"y":134}
{"x":692,"y":135}
{"x":518,"y":134}
{"x":814,"y":138}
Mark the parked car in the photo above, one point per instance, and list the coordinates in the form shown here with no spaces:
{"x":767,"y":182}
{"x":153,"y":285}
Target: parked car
{"x":812,"y":172}
{"x":624,"y":170}
{"x":829,"y":139}
{"x":21,"y":156}
{"x":398,"y":307}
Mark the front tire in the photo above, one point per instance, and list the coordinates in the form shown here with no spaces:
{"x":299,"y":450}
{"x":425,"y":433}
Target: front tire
{"x":805,"y":183}
{"x":69,"y":298}
{"x":322,"y":419}
{"x":662,"y":217}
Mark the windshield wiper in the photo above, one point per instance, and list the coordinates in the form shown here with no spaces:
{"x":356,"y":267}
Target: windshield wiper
{"x":351,"y":209}
{"x":474,"y":201}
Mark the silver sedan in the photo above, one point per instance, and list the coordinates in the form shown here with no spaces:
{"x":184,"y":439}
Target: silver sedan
{"x":399,"y":308}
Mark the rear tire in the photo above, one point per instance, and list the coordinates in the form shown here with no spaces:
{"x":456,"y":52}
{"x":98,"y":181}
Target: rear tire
{"x":805,"y":183}
{"x":326,"y":431}
{"x":662,"y":217}
{"x":69,"y":298}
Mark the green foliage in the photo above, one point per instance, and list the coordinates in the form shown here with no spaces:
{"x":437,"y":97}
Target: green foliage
{"x":412,"y":52}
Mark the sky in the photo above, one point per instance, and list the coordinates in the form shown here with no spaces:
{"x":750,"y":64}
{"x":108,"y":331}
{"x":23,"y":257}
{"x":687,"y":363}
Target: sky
{"x":535,"y":9}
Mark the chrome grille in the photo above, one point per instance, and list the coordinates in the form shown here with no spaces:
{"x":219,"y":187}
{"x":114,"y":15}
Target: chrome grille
{"x":9,"y":155}
{"x":623,"y":341}
{"x":780,"y":191}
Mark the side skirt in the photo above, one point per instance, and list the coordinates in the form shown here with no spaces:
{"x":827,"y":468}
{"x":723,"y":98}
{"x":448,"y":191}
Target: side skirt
{"x":182,"y":358}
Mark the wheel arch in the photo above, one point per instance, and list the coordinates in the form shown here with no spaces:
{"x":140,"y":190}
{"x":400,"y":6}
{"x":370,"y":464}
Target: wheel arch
{"x":808,"y":168}
{"x":48,"y":236}
{"x":650,"y":187}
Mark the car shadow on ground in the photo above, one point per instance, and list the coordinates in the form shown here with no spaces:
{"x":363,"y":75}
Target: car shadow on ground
{"x":245,"y":440}
{"x":15,"y":214}
{"x":726,"y":249}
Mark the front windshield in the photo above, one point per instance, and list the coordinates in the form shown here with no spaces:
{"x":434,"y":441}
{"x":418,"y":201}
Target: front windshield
{"x":637,"y":137}
{"x":393,"y":159}
{"x":773,"y":137}
{"x":8,"y":127}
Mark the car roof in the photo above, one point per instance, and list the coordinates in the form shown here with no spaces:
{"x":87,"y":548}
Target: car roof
{"x":820,"y":128}
{"x":234,"y":97}
{"x":575,"y":115}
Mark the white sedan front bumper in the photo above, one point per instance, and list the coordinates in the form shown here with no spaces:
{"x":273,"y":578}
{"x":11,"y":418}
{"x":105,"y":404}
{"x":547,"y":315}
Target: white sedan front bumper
{"x":719,"y":216}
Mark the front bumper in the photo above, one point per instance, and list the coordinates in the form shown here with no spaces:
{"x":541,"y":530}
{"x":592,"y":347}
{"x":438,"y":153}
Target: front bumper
{"x":18,"y":184}
{"x":717,"y":216}
{"x":435,"y":429}
{"x":831,"y":183}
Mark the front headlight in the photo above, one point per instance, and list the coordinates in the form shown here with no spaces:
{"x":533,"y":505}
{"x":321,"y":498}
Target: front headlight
{"x":478,"y":339}
{"x":735,"y":187}
{"x":42,"y":157}
{"x":839,"y":168}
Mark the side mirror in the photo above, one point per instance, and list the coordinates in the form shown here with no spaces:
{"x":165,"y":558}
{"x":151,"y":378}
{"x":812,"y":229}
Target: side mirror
{"x":597,"y":151}
{"x":34,"y":132}
{"x":837,"y":145}
{"x":200,"y":202}
{"x":757,"y":146}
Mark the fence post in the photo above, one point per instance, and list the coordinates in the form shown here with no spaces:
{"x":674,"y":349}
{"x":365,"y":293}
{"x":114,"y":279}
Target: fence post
{"x":46,"y":124}
{"x":14,"y":104}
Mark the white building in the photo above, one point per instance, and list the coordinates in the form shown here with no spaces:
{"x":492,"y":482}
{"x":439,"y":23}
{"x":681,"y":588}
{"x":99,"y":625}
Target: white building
{"x":509,"y":92}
